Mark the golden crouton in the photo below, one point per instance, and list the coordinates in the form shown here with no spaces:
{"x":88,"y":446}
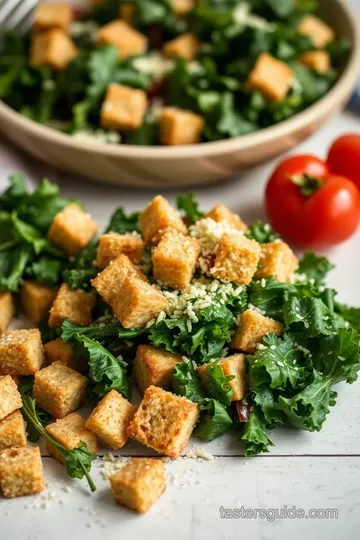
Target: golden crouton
{"x":185,"y":46}
{"x":48,"y":16}
{"x":154,"y":367}
{"x":109,"y":282}
{"x":174,"y":259}
{"x":12,"y":431}
{"x":7,"y":310}
{"x":233,"y":365}
{"x":112,"y":245}
{"x":128,"y":40}
{"x":138,"y":303}
{"x":21,"y":472}
{"x":10,"y":398}
{"x":110,"y":418}
{"x":164,"y":421}
{"x":52,"y":48}
{"x":21,"y":352}
{"x":319,"y":61}
{"x":59,"y":351}
{"x":36,"y":300}
{"x":127,"y":12}
{"x":179,"y":127}
{"x":70,"y":432}
{"x":59,"y":390}
{"x":74,"y":305}
{"x":123,"y":108}
{"x":252,"y":328}
{"x":278,"y":260}
{"x":182,"y":7}
{"x":221,"y":213}
{"x":320,"y":33}
{"x":236,"y":259}
{"x":271,"y":77}
{"x":72,"y":229}
{"x":158,"y":216}
{"x":139,"y":484}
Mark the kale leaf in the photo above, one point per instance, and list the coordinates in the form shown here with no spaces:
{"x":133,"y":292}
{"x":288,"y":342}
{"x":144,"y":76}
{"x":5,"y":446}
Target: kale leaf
{"x":185,"y":382}
{"x":214,"y":420}
{"x":188,"y":205}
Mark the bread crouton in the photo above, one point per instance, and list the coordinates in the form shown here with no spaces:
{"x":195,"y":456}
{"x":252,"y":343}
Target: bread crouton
{"x":251,"y":330}
{"x":70,"y":431}
{"x":111,"y":245}
{"x":271,"y":77}
{"x":236,"y":259}
{"x":123,"y":108}
{"x":320,"y":32}
{"x":21,"y":472}
{"x":10,"y":398}
{"x":319,"y":61}
{"x":21,"y":352}
{"x":128,"y":40}
{"x":182,"y":7}
{"x":59,"y":351}
{"x":277,"y":260}
{"x":52,"y":48}
{"x":7,"y":310}
{"x":158,"y":216}
{"x":179,"y":127}
{"x":48,"y":16}
{"x":12,"y":431}
{"x":185,"y":46}
{"x":74,"y":305}
{"x":232,"y":365}
{"x":154,"y":367}
{"x":36,"y":300}
{"x":221,"y":213}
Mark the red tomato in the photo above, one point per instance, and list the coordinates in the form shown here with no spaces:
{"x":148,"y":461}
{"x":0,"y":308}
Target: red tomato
{"x":344,"y":157}
{"x":327,"y":214}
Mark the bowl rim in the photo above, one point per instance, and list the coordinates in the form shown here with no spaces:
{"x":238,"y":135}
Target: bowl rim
{"x":337,"y":93}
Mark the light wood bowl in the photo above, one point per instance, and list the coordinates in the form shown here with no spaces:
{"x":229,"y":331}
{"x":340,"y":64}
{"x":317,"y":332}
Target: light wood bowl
{"x":204,"y":163}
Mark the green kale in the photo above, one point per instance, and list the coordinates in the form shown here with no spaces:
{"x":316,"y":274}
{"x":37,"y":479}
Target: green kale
{"x":147,"y":135}
{"x":218,"y":384}
{"x":185,"y":382}
{"x":261,"y":232}
{"x":45,"y":270}
{"x":314,"y":267}
{"x":310,"y":315}
{"x":214,"y":420}
{"x":350,"y":314}
{"x":123,"y":223}
{"x":188,"y":205}
{"x":253,"y":435}
{"x":82,"y":270}
{"x":103,"y":330}
{"x":25,"y":388}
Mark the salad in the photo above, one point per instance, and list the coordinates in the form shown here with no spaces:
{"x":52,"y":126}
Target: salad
{"x":170,"y":72}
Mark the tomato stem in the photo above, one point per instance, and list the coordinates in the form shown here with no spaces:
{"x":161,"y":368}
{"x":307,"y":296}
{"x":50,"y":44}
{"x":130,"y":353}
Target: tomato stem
{"x":308,"y":184}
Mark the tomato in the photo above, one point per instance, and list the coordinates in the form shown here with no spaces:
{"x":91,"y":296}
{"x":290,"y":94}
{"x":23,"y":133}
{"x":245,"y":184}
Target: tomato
{"x":344,"y":157}
{"x":310,"y":206}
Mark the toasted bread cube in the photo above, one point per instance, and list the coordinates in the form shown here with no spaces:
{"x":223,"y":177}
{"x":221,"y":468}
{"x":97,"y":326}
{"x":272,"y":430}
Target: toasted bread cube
{"x":320,"y":33}
{"x":109,"y":282}
{"x":21,"y":472}
{"x":278,"y":260}
{"x":111,"y":245}
{"x":182,"y":7}
{"x":234,"y":365}
{"x":163,"y":421}
{"x":72,"y":229}
{"x":59,"y":351}
{"x":52,"y":48}
{"x":48,"y":16}
{"x":139,"y":484}
{"x":154,"y":367}
{"x":251,"y":330}
{"x":319,"y":61}
{"x":185,"y":46}
{"x":36,"y":300}
{"x":221,"y":213}
{"x":271,"y":77}
{"x":10,"y":398}
{"x":21,"y":352}
{"x":178,"y":127}
{"x":119,"y":33}
{"x":59,"y":390}
{"x":74,"y":305}
{"x":236,"y":259}
{"x":110,"y":418}
{"x":127,"y":12}
{"x":7,"y":310}
{"x":123,"y":108}
{"x":138,"y":303}
{"x":12,"y":431}
{"x":70,"y":431}
{"x":158,"y":216}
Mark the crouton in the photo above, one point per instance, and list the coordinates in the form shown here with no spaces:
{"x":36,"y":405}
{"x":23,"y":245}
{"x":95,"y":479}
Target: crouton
{"x":163,"y":421}
{"x":139,"y":484}
{"x":221,"y":213}
{"x":320,"y":32}
{"x":21,"y":352}
{"x":72,"y":229}
{"x":48,"y":16}
{"x":12,"y":431}
{"x":251,"y":330}
{"x":185,"y":46}
{"x":74,"y":305}
{"x":111,"y":245}
{"x":236,"y":259}
{"x":7,"y":310}
{"x":36,"y":300}
{"x":154,"y":367}
{"x":59,"y":390}
{"x":110,"y":418}
{"x":277,"y":260}
{"x":179,"y":127}
{"x":21,"y":472}
{"x":10,"y":398}
{"x":123,"y":108}
{"x":119,"y":33}
{"x":109,"y":282}
{"x":182,"y":7}
{"x":52,"y":48}
{"x":59,"y":351}
{"x":70,"y":431}
{"x":127,"y":12}
{"x":271,"y":77}
{"x":158,"y":216}
{"x":319,"y":61}
{"x":233,"y":365}
{"x":138,"y":303}
{"x":174,"y":259}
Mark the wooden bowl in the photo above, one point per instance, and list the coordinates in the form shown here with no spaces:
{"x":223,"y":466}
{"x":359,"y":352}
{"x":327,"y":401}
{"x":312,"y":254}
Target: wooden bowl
{"x":197,"y":164}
